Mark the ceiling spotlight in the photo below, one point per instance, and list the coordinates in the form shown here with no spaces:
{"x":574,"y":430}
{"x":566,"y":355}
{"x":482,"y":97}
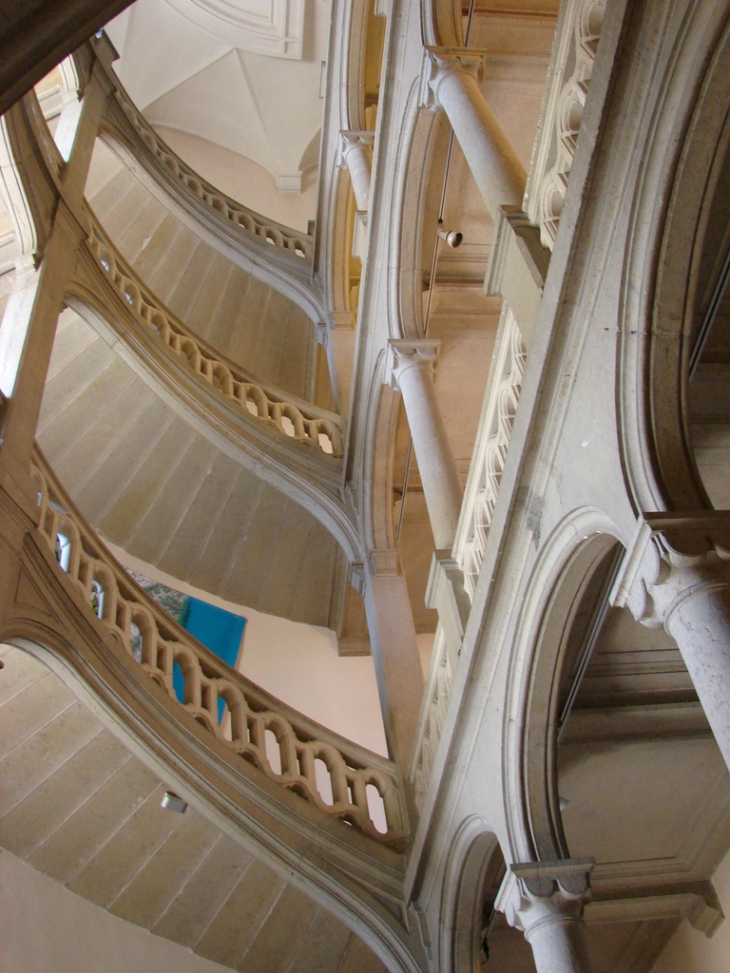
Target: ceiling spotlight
{"x":174,"y":803}
{"x":452,"y":238}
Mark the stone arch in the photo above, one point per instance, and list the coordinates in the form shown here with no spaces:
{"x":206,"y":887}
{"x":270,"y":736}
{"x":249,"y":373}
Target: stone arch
{"x":679,"y":209}
{"x":572,"y":572}
{"x":481,"y":875}
{"x":441,"y":23}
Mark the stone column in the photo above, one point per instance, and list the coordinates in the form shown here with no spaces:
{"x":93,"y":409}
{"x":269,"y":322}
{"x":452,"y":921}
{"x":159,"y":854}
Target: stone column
{"x":356,"y":155}
{"x":395,"y":651}
{"x":26,"y":342}
{"x":80,"y":131}
{"x":412,"y":368}
{"x":29,"y":325}
{"x":454,"y":87}
{"x":677,"y":576}
{"x":545,"y":900}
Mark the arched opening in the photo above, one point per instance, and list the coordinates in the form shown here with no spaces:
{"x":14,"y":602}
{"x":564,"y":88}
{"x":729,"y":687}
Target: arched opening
{"x":483,"y":940}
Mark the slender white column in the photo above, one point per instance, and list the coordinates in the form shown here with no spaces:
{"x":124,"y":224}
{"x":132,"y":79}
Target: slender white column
{"x":498,"y":172}
{"x":413,"y":364}
{"x":677,"y":576}
{"x":395,"y":651}
{"x":545,"y":900}
{"x":356,"y":155}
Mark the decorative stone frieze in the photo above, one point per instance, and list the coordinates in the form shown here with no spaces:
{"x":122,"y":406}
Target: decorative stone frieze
{"x":546,"y":900}
{"x":677,"y":576}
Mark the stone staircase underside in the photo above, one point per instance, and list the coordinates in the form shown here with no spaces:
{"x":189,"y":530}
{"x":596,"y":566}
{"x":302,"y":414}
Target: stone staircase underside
{"x":243,"y":318}
{"x":155,"y":486}
{"x":79,"y":807}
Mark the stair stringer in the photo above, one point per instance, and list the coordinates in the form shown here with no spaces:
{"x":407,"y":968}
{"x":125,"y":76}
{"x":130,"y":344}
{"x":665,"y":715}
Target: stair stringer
{"x":311,"y":481}
{"x":355,"y":878}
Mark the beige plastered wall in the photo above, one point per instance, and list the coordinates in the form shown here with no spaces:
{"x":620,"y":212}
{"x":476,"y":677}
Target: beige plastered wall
{"x":690,"y":951}
{"x":47,"y":929}
{"x":245,"y":180}
{"x":300,"y":664}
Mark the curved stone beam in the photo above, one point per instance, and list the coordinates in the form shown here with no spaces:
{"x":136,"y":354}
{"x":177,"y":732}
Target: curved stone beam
{"x":30,"y":168}
{"x":442,"y":23}
{"x":684,"y":163}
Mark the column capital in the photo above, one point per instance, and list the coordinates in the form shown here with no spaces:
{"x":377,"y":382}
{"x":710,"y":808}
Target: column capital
{"x":444,"y":62}
{"x":350,"y":140}
{"x":534,"y":893}
{"x":404,"y":354}
{"x":672,"y":556}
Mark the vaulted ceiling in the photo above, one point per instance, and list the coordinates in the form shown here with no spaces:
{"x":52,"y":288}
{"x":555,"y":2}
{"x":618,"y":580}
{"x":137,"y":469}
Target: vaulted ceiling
{"x":242,"y":74}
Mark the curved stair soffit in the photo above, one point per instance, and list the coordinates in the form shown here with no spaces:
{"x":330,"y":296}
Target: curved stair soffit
{"x":279,"y":816}
{"x":292,"y":417}
{"x":258,"y":245}
{"x":312,"y":481}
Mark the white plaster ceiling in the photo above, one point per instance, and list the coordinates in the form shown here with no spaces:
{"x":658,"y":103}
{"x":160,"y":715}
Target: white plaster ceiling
{"x":243,"y":74}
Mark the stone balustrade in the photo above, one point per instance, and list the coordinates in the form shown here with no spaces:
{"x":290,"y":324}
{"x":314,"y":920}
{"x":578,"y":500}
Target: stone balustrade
{"x":264,"y":230}
{"x":490,"y":451}
{"x":303,"y":422}
{"x":350,"y":784}
{"x":433,"y":711}
{"x":574,"y":54}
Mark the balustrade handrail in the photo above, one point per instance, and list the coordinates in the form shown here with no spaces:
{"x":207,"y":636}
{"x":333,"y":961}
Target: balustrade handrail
{"x":574,"y":53}
{"x":263,"y":230}
{"x":490,"y":450}
{"x":122,"y":606}
{"x":292,"y":417}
